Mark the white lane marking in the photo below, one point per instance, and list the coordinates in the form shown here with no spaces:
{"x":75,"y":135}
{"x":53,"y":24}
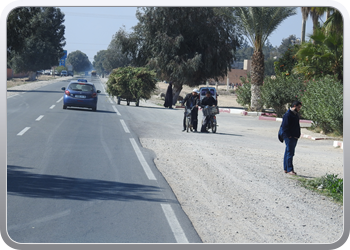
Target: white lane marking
{"x":116,"y":110}
{"x":39,"y":118}
{"x":110,"y":100}
{"x":124,"y":126}
{"x":142,"y":160}
{"x":60,"y":99}
{"x":52,"y":106}
{"x":174,"y":224}
{"x":23,"y":131}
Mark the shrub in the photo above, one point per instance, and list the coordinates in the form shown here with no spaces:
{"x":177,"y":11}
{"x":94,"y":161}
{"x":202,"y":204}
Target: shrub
{"x":243,"y":92}
{"x":329,"y":185}
{"x":281,"y":91}
{"x":323,"y":104}
{"x":130,"y":82}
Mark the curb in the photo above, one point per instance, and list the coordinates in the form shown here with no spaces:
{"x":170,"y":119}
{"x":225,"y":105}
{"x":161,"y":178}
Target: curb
{"x":338,"y":144}
{"x":280,"y":119}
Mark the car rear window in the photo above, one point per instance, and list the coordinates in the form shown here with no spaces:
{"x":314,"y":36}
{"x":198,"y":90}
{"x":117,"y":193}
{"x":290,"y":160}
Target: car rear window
{"x":81,"y":87}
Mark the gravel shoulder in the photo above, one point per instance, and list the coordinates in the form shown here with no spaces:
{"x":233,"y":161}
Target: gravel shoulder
{"x":242,"y":195}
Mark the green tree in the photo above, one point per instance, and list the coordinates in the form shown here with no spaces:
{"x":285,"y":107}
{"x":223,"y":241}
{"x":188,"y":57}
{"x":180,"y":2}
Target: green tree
{"x":257,"y":24}
{"x":323,"y":56}
{"x":114,"y":56}
{"x":35,"y":38}
{"x":98,"y":62}
{"x":183,"y":45}
{"x":286,"y":63}
{"x":79,"y":61}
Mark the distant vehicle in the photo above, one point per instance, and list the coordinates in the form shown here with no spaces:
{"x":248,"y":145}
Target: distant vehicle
{"x":47,"y":72}
{"x":93,"y":73}
{"x":203,"y":91}
{"x":40,"y":72}
{"x":54,"y":72}
{"x":64,"y":73}
{"x":70,"y":73}
{"x":80,"y":93}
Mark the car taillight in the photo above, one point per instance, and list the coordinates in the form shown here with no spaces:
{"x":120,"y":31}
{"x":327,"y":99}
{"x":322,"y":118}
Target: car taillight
{"x":94,"y":94}
{"x":67,"y":92}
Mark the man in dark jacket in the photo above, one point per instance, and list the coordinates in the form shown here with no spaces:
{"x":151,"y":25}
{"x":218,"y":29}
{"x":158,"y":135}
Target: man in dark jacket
{"x":208,"y":100}
{"x":190,"y":101}
{"x":291,"y":134}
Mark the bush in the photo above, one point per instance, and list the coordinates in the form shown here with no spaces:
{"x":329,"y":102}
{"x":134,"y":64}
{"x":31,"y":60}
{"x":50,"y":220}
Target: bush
{"x":323,"y":104}
{"x":131,"y":83}
{"x":279,"y":93}
{"x":243,"y":92}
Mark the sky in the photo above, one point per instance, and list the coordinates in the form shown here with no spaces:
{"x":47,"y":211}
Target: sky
{"x":91,"y":29}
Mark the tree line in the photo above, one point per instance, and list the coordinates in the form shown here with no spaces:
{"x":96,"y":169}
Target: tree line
{"x":35,"y":38}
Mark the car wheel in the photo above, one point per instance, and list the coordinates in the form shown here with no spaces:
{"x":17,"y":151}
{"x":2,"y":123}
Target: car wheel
{"x":64,"y":106}
{"x":94,"y":108}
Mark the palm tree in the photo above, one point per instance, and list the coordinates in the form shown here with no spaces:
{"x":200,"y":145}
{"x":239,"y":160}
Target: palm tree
{"x":257,"y":24}
{"x":305,"y":11}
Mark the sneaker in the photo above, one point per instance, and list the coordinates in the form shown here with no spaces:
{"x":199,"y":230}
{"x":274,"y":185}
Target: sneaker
{"x":183,"y":130}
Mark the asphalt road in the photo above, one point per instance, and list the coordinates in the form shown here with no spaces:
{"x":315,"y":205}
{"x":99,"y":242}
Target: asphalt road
{"x":78,"y":176}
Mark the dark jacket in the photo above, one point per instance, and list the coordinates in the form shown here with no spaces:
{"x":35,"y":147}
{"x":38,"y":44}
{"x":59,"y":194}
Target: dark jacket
{"x":210,"y":101}
{"x":291,"y":125}
{"x":190,"y":100}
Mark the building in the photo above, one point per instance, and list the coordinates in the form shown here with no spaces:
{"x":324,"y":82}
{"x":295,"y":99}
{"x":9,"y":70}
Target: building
{"x":239,"y":69}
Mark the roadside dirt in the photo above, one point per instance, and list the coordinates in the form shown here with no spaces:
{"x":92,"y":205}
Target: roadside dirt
{"x":225,"y":98}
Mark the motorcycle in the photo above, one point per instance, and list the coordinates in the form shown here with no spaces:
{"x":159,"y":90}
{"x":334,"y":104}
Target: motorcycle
{"x":210,"y":113}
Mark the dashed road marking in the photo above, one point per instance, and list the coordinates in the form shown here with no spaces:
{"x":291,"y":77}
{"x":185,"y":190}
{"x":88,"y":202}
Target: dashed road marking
{"x":39,"y":118}
{"x":174,"y":224}
{"x":142,"y":160}
{"x":60,"y":99}
{"x":116,"y":110}
{"x":23,"y":131}
{"x":110,"y":100}
{"x":124,"y":126}
{"x":52,"y":106}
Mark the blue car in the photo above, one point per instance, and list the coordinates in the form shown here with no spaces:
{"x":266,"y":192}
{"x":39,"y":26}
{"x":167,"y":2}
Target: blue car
{"x":80,"y":93}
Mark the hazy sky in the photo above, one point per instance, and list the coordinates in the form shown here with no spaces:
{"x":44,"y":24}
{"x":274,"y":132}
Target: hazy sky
{"x":90,"y":29}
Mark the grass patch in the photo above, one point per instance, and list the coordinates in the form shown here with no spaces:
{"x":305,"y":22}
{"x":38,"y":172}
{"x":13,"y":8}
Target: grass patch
{"x":329,"y":185}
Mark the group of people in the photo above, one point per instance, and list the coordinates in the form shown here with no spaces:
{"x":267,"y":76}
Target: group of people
{"x":192,"y":102}
{"x":290,"y":124}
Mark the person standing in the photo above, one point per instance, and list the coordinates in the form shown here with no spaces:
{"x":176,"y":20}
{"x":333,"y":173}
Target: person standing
{"x":208,"y":100}
{"x":291,"y":134}
{"x":168,"y":103}
{"x":190,"y":101}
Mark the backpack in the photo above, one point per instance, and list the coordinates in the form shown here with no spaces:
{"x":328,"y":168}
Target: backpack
{"x":280,"y":136}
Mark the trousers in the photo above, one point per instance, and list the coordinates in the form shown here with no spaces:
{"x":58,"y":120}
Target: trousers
{"x":291,"y":143}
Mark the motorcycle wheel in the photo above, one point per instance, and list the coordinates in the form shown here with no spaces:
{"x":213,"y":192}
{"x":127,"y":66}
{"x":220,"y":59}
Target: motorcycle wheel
{"x":213,"y":126}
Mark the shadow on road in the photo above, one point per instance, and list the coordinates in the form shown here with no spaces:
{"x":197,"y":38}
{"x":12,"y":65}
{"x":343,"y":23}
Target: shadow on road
{"x":20,"y":182}
{"x":89,"y":110}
